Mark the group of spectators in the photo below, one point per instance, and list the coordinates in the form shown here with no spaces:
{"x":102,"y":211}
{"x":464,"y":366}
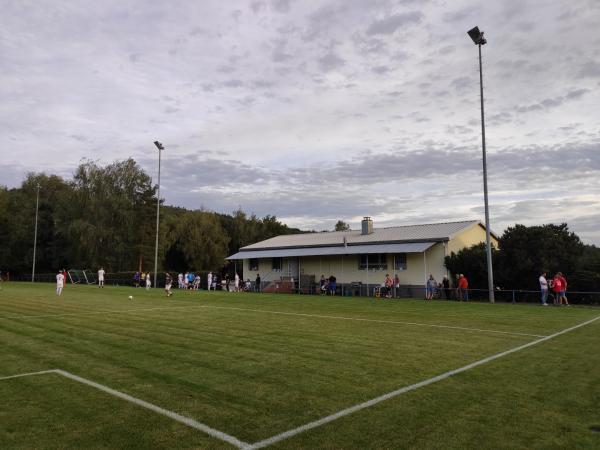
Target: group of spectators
{"x":139,"y":278}
{"x":558,"y":284}
{"x":188,"y":281}
{"x":327,"y":286}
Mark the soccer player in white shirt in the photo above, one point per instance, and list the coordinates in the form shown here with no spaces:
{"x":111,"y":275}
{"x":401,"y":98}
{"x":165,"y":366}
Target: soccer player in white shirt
{"x":60,"y":282}
{"x":148,"y":282}
{"x":101,"y":277}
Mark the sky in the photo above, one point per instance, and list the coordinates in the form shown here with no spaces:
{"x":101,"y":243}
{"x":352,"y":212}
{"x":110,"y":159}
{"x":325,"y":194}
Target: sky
{"x":316,"y":111}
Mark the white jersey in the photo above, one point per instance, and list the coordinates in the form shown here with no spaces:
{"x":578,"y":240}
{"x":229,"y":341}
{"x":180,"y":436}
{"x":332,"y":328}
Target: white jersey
{"x":60,"y":279}
{"x":237,"y":280}
{"x":101,"y":275}
{"x":543,"y":282}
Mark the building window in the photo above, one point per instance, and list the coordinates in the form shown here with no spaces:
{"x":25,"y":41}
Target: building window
{"x":253,"y":264}
{"x":277,"y":264}
{"x":400,"y":261}
{"x":376,"y":261}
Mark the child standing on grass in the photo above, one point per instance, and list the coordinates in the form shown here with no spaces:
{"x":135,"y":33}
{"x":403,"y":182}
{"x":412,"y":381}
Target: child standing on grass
{"x":60,"y":280}
{"x":148,"y":282}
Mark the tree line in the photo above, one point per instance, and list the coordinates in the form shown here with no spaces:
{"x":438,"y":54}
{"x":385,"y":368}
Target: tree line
{"x":524,"y":252}
{"x":106,"y":216}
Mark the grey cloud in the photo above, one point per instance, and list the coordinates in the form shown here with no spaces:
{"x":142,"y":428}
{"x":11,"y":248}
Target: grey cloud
{"x":446,"y":50}
{"x":392,"y":23}
{"x":578,"y":93}
{"x":202,"y":170}
{"x":281,"y":6}
{"x":78,"y":137}
{"x":463,"y":84}
{"x":256,"y":7}
{"x":457,"y":16}
{"x":400,"y":56}
{"x":499,"y":119}
{"x":279,"y":53}
{"x":263,"y":83}
{"x":554,"y":102}
{"x":380,"y":70}
{"x":330,"y":61}
{"x":247,"y":101}
{"x":225,"y":69}
{"x":233,"y":83}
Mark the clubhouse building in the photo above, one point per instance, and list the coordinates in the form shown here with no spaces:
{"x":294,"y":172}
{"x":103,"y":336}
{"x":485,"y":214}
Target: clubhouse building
{"x":359,"y":259}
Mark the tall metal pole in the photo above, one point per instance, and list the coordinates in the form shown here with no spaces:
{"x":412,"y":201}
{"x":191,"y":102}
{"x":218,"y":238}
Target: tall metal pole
{"x":37,"y":204}
{"x":485,"y":189}
{"x":160,"y":148}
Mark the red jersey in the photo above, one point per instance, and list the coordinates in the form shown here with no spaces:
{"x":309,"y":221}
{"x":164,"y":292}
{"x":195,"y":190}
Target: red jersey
{"x":563,"y":280}
{"x":558,"y":285}
{"x":463,"y":283}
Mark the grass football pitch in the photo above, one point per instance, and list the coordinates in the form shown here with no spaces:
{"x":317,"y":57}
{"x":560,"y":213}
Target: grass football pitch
{"x":224,"y":370}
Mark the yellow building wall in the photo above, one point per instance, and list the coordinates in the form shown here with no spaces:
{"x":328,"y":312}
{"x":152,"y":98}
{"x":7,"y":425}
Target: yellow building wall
{"x":346,"y":270}
{"x":469,"y":237}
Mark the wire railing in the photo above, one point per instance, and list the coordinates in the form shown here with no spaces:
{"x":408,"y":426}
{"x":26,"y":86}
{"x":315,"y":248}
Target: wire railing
{"x":363,"y":290}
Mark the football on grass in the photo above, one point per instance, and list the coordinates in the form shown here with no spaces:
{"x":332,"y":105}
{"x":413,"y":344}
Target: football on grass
{"x":131,"y":297}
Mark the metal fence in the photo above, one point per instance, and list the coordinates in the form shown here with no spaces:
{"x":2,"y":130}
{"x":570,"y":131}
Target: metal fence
{"x":364,"y":290}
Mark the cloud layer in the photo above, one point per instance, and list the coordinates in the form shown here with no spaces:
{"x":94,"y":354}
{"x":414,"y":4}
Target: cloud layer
{"x":316,"y":111}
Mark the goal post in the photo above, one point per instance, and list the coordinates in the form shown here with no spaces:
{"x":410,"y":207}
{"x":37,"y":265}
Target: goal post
{"x":79,"y":276}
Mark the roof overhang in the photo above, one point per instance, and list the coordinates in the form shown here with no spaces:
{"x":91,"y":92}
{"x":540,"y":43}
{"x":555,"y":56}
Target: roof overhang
{"x":412,"y":247}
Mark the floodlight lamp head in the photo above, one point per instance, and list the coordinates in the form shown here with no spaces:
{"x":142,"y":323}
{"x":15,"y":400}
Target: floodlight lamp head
{"x":159,"y":145}
{"x":477,"y":36}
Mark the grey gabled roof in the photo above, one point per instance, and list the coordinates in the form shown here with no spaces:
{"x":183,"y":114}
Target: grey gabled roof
{"x":432,"y":232}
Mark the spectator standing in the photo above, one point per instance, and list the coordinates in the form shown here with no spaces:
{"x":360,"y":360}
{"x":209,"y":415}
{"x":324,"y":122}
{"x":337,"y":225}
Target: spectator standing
{"x":64,"y":272}
{"x":446,"y":286}
{"x":323,"y":285}
{"x":209,"y":281}
{"x":396,"y":286}
{"x":563,"y":293}
{"x":463,"y":288}
{"x":332,"y":285}
{"x":136,"y":280}
{"x":148,"y":282}
{"x":388,"y":283}
{"x":431,"y":285}
{"x":544,"y":288}
{"x":236,"y":285}
{"x":257,"y":285}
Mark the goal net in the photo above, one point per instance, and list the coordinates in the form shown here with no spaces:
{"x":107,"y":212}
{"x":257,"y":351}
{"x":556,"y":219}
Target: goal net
{"x":81,"y":276}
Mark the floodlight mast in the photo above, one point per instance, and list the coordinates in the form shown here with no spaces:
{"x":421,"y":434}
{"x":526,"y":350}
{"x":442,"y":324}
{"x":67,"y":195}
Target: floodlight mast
{"x":160,"y":148}
{"x":37,"y":204}
{"x":477,"y":36}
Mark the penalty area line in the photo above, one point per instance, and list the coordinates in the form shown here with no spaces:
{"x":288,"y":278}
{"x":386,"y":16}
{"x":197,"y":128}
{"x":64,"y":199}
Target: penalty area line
{"x":412,"y":387}
{"x":136,"y":401}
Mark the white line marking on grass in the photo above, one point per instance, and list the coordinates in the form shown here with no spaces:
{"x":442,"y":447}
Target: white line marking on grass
{"x":412,"y":387}
{"x":360,"y":319}
{"x":157,"y":409}
{"x":29,"y":374}
{"x":320,"y":316}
